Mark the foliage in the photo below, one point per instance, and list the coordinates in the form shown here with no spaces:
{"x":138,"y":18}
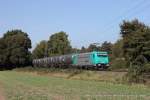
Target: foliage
{"x":14,"y":49}
{"x":2,"y":52}
{"x":92,"y":47}
{"x":136,"y":40}
{"x":117,"y":50}
{"x":106,"y":46}
{"x":41,"y":50}
{"x":58,"y":44}
{"x":147,"y":67}
{"x":135,"y":74}
{"x":117,"y":59}
{"x":118,"y":63}
{"x":83,"y":49}
{"x":75,"y":50}
{"x":136,"y":47}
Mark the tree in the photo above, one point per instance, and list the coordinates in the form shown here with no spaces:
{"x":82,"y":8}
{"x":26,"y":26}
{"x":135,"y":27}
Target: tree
{"x":59,"y":44}
{"x":136,"y":40}
{"x":136,"y":47}
{"x":117,"y":59}
{"x":106,"y":46}
{"x":2,"y":53}
{"x":75,"y":50}
{"x":83,"y":49}
{"x":15,"y":47}
{"x":92,"y":47}
{"x":41,"y":50}
{"x":117,"y":49}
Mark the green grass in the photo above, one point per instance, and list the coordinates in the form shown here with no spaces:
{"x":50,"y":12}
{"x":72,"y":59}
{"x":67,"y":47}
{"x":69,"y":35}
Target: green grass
{"x":105,"y":76}
{"x":30,"y":86}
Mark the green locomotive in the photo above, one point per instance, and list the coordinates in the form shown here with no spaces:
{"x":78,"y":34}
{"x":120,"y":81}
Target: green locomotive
{"x":91,"y":59}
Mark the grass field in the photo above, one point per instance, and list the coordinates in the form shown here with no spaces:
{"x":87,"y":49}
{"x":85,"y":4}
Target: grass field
{"x":30,"y":86}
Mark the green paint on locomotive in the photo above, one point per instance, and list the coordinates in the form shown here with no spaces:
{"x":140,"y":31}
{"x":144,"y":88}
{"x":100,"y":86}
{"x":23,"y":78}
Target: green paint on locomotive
{"x":100,"y":58}
{"x":74,"y":59}
{"x":95,"y":58}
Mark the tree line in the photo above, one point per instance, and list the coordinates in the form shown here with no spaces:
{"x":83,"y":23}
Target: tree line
{"x":58,"y":44}
{"x":15,"y":48}
{"x":131,"y":51}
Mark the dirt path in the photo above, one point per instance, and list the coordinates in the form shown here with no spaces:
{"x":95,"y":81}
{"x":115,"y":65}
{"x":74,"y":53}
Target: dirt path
{"x":1,"y":97}
{"x":1,"y":93}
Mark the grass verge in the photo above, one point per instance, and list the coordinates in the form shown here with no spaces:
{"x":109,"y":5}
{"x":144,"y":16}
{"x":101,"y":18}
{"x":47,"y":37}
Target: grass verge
{"x":27,"y":86}
{"x":79,"y":74}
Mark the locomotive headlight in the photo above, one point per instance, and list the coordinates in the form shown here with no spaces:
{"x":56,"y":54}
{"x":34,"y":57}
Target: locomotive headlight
{"x":107,"y":64}
{"x":99,"y":64}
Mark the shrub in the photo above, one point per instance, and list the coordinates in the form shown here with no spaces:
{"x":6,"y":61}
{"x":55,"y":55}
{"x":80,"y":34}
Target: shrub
{"x":135,"y":74}
{"x":118,"y":64}
{"x":147,"y":67}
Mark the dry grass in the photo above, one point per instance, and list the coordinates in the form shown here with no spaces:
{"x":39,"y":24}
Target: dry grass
{"x":107,"y":76}
{"x":35,"y":86}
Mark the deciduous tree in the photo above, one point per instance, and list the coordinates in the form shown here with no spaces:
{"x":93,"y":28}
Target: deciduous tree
{"x":14,"y":48}
{"x":40,"y":50}
{"x":59,"y":44}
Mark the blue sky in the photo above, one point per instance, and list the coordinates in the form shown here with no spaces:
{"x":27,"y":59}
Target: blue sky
{"x":85,"y":21}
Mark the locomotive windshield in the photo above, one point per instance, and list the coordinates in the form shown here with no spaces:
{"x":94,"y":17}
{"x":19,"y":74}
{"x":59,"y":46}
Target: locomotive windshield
{"x":100,"y":55}
{"x":102,"y":58}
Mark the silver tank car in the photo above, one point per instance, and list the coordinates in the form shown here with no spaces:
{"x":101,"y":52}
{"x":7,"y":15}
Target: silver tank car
{"x":56,"y":61}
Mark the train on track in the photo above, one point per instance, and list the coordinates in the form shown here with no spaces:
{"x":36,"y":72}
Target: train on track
{"x":90,"y":60}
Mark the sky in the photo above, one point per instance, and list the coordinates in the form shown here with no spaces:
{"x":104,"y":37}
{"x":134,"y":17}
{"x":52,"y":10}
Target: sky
{"x":85,"y":21}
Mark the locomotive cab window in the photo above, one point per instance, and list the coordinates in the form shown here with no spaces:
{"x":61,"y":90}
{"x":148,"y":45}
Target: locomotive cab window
{"x":102,"y":55}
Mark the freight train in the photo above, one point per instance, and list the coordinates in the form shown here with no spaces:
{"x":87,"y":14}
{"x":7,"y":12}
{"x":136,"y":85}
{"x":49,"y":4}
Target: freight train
{"x":90,"y":60}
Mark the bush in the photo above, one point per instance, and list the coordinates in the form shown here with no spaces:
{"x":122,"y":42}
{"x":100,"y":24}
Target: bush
{"x":135,"y":74}
{"x":147,"y":68}
{"x":118,"y":64}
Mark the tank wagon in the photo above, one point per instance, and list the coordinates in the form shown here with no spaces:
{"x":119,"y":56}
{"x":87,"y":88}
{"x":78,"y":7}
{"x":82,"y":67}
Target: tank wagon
{"x":95,"y":60}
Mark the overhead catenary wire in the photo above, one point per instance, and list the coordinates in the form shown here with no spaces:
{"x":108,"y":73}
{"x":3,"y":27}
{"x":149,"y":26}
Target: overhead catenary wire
{"x":131,"y":11}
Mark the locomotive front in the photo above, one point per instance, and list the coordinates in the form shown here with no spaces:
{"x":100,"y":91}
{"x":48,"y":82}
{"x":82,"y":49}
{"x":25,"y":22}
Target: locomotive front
{"x":101,"y":59}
